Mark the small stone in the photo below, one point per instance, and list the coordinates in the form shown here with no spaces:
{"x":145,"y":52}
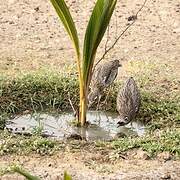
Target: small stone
{"x":46,"y":174}
{"x":75,"y":137}
{"x":177,"y":30}
{"x":36,"y":9}
{"x":11,"y":22}
{"x":166,"y":156}
{"x":166,"y":176}
{"x":140,"y":154}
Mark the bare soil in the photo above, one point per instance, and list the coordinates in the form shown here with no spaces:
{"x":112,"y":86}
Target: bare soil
{"x":90,"y":166}
{"x":31,"y":38}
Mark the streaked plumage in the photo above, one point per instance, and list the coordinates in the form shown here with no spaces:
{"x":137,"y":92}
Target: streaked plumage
{"x":128,"y":102}
{"x":103,"y":77}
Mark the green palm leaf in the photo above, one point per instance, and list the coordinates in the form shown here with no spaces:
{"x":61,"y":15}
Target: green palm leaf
{"x":97,"y":26}
{"x":67,"y":176}
{"x":24,"y":173}
{"x":66,"y":18}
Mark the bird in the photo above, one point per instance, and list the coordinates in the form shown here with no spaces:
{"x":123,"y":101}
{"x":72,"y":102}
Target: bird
{"x":128,"y":102}
{"x":103,"y":76}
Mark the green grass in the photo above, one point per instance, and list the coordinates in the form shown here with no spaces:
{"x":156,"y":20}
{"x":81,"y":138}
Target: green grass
{"x":37,"y":92}
{"x":155,"y":143}
{"x":22,"y":144}
{"x":159,"y":113}
{"x":47,"y":91}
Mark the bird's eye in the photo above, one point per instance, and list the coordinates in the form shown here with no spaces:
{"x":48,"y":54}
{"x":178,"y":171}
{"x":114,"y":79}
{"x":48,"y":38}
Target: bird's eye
{"x":126,"y":118}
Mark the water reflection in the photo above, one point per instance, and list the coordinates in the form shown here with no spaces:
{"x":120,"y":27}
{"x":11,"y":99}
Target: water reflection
{"x":103,"y":125}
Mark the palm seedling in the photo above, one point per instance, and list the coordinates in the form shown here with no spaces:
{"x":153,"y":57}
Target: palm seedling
{"x":96,"y":28}
{"x":21,"y":171}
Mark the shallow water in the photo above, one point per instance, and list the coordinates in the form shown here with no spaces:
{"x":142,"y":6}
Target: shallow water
{"x":103,"y":126}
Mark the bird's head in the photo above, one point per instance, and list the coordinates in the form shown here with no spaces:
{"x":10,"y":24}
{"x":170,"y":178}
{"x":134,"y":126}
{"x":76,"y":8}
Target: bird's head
{"x":125,"y":117}
{"x":116,"y":63}
{"x":123,"y":121}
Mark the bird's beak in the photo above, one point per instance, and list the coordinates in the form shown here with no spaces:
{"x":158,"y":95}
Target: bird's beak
{"x":120,"y":65}
{"x":122,"y":122}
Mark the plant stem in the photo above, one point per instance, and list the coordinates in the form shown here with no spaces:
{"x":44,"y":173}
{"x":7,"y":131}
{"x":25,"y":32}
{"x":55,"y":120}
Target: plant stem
{"x":83,"y":110}
{"x":83,"y":96}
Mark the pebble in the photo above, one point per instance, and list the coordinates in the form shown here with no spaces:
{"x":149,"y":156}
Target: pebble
{"x":166,"y":156}
{"x":166,"y":176}
{"x":140,"y":154}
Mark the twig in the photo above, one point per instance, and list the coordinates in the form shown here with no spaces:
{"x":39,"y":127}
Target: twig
{"x":112,"y":46}
{"x":69,"y":98}
{"x":107,"y":40}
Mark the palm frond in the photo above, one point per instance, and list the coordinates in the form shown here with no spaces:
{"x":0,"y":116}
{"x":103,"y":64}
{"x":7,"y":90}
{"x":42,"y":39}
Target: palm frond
{"x":97,"y":26}
{"x":24,"y":173}
{"x":67,"y":176}
{"x":66,"y":18}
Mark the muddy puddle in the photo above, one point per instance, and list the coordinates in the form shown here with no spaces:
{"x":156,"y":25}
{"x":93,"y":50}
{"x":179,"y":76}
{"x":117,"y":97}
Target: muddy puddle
{"x":103,"y":126}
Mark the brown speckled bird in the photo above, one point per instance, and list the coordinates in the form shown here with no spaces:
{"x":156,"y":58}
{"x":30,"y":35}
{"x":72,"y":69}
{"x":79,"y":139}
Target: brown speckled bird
{"x":103,"y":77}
{"x":128,"y":102}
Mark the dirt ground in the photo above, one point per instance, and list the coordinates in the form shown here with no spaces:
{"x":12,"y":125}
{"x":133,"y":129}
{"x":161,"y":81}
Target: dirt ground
{"x":31,"y":38}
{"x":89,"y":166}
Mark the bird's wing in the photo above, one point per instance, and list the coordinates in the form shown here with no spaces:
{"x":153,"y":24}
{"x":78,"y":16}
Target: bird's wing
{"x":124,"y":100}
{"x":135,"y":94}
{"x":95,"y":75}
{"x":110,"y":77}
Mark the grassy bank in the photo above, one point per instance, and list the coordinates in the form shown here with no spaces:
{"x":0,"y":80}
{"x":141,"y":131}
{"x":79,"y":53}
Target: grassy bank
{"x":47,"y":91}
{"x":153,"y":144}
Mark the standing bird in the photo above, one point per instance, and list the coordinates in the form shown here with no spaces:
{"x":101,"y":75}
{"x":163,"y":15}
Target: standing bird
{"x":128,"y":102}
{"x":103,"y":77}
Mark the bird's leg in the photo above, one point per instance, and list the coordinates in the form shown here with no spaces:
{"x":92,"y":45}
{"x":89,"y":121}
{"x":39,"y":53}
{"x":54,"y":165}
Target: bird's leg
{"x":99,"y":98}
{"x":105,"y":101}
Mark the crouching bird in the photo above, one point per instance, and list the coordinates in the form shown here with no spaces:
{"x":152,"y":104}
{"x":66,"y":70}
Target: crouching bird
{"x":103,"y":77}
{"x":128,"y":102}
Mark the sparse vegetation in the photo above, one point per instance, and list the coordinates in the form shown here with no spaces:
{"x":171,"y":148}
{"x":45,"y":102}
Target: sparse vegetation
{"x":22,"y":144}
{"x":47,"y":91}
{"x":153,"y":143}
{"x":44,"y":91}
{"x":34,"y":49}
